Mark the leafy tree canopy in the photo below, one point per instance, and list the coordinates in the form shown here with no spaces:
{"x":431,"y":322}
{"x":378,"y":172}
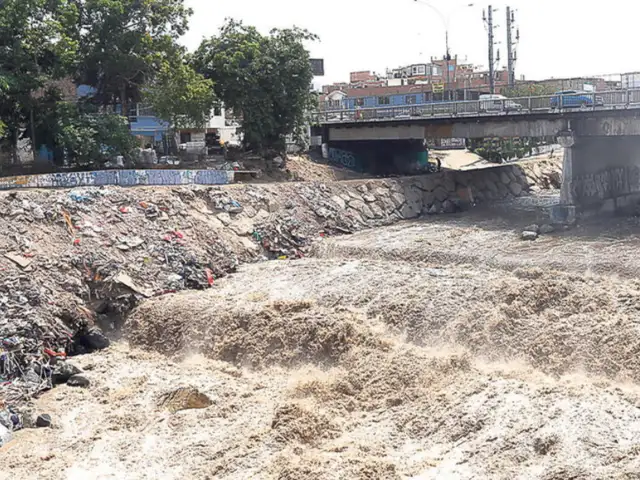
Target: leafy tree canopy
{"x":91,"y":139}
{"x":123,"y":44}
{"x":35,"y":47}
{"x":264,"y":79}
{"x":74,"y":131}
{"x":529,"y":90}
{"x":181,"y":96}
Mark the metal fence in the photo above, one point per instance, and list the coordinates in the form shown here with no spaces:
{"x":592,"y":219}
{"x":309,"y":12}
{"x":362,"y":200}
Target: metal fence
{"x":493,"y":105}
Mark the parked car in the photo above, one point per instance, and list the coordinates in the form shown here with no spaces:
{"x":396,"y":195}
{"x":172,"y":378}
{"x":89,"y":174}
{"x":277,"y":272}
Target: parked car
{"x":498,"y":103}
{"x":575,"y":98}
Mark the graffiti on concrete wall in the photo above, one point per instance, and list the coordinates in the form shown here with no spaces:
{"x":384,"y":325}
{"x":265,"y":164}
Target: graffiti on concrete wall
{"x":124,"y":178}
{"x":610,"y":183}
{"x":343,"y":157}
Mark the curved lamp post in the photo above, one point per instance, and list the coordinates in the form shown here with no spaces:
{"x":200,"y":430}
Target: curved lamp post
{"x":446,"y":21}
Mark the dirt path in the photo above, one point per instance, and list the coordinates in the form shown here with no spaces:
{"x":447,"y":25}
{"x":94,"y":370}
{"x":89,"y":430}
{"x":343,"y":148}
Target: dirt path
{"x":445,"y":348}
{"x":466,"y":160}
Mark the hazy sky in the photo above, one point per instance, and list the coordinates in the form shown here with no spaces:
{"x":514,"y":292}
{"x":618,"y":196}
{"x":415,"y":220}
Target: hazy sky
{"x":558,"y":38}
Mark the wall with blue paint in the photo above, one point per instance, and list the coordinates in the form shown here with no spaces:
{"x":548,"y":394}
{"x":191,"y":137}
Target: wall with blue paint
{"x":85,"y":91}
{"x":124,"y":178}
{"x":143,"y":125}
{"x":394,"y":100}
{"x":344,"y":158}
{"x":149,"y":126}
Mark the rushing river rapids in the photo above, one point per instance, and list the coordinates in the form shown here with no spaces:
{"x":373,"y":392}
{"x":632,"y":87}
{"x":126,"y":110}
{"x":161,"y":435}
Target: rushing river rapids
{"x":374,"y":360}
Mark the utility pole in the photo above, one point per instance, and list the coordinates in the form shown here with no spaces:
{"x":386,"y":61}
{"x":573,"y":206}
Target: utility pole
{"x":511,"y":52}
{"x":492,"y":76}
{"x":447,"y":58}
{"x":487,"y":17}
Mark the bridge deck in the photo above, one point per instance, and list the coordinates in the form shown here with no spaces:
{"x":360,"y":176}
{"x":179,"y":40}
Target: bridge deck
{"x":539,"y":106}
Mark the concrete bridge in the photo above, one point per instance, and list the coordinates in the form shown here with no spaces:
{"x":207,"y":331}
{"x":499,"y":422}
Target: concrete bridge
{"x":600,"y":132}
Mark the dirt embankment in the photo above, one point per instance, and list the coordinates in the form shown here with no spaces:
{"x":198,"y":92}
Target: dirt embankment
{"x":301,"y":168}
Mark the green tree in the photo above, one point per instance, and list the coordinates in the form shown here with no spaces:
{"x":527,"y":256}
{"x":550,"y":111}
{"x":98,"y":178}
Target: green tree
{"x":4,"y":86}
{"x":88,"y":138}
{"x":35,"y":47}
{"x":529,"y":90}
{"x":123,"y":44}
{"x":264,"y":79}
{"x":181,"y":96}
{"x":79,"y":133}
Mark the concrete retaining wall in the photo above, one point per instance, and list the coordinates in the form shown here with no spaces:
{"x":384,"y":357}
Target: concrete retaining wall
{"x":446,"y":192}
{"x":124,"y":178}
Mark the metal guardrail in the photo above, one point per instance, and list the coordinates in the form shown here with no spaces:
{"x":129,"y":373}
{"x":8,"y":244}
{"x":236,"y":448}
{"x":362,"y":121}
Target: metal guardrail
{"x":556,"y":103}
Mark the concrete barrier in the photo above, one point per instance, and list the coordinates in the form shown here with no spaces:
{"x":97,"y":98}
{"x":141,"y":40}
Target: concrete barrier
{"x":124,"y":178}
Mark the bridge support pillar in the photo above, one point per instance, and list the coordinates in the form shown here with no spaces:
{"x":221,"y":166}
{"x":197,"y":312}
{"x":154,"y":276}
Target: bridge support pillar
{"x":565,"y":213}
{"x":601,"y":173}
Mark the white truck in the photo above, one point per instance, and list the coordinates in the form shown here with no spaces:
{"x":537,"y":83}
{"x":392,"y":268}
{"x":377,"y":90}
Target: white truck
{"x":498,"y":103}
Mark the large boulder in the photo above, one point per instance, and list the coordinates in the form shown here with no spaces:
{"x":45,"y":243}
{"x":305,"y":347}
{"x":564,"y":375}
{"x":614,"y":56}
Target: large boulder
{"x":441,"y":194}
{"x":63,"y":371}
{"x":94,"y":340}
{"x":185,"y":398}
{"x":397,"y":199}
{"x":43,"y":421}
{"x":78,"y":381}
{"x":516,"y":189}
{"x":448,"y":206}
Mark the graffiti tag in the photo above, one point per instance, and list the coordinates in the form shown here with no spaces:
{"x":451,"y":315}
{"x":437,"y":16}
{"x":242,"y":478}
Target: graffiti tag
{"x":124,"y":178}
{"x":342,"y":157}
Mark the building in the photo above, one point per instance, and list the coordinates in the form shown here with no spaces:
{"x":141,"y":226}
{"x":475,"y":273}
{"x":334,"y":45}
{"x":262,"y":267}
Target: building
{"x":335,"y":99}
{"x":218,"y":127}
{"x":449,"y":80}
{"x":459,"y":77}
{"x":466,"y":85}
{"x":386,"y":96}
{"x":327,"y":89}
{"x":423,"y":70}
{"x":587,"y":84}
{"x":145,"y":126}
{"x":439,"y":80}
{"x":362,"y":77}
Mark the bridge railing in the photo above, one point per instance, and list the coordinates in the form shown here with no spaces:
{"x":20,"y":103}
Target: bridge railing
{"x":556,"y":103}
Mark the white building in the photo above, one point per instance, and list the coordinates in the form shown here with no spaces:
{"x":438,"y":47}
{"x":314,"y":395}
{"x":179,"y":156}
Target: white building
{"x":335,"y":99}
{"x":415,"y":70}
{"x":216,"y":125}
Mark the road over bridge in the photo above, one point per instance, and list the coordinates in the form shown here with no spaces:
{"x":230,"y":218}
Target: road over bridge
{"x":601,"y":133}
{"x":603,"y":113}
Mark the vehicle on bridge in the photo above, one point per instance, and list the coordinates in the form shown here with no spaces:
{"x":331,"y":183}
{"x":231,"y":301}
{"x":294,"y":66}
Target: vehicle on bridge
{"x":575,"y":99}
{"x":498,"y":103}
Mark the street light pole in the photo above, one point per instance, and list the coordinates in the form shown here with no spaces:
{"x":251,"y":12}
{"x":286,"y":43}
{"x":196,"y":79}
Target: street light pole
{"x":445,"y":22}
